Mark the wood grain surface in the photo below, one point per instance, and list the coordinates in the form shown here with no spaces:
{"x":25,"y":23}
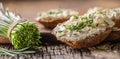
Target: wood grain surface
{"x":53,"y":49}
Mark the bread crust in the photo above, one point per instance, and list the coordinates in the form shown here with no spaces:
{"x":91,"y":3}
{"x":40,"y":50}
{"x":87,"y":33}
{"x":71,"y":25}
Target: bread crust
{"x":88,"y":42}
{"x":52,"y":23}
{"x":114,"y":35}
{"x":4,"y":40}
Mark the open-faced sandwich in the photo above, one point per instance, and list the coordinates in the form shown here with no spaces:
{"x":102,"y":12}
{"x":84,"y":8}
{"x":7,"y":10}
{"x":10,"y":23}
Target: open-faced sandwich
{"x":84,"y":31}
{"x":52,"y":17}
{"x":115,"y":35}
{"x":113,"y":14}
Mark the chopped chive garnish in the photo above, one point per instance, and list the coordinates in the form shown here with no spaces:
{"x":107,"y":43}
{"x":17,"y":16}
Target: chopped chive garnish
{"x":106,"y":23}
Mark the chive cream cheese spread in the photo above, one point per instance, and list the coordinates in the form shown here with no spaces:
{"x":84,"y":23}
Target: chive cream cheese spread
{"x":55,"y":14}
{"x":95,"y":22}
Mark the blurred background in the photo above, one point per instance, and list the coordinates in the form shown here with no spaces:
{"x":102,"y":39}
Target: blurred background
{"x":30,"y":8}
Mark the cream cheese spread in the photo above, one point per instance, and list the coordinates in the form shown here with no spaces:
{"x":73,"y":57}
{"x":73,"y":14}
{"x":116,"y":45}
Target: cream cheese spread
{"x":55,"y":14}
{"x":95,"y":22}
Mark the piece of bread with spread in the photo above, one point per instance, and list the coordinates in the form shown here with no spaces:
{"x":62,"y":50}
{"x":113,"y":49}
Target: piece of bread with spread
{"x":84,"y":31}
{"x":114,"y":14}
{"x":115,"y":35}
{"x":4,"y":40}
{"x":52,"y":17}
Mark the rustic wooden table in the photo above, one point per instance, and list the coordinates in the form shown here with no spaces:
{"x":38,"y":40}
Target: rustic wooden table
{"x":53,"y":49}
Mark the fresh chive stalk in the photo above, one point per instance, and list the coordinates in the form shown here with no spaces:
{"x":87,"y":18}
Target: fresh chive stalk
{"x":22,"y":34}
{"x":16,"y":52}
{"x":6,"y":18}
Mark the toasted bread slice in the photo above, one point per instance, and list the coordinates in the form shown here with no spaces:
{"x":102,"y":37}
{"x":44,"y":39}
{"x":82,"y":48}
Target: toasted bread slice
{"x":83,"y":31}
{"x":88,"y":42}
{"x":113,"y":14}
{"x":52,"y":17}
{"x":114,"y":35}
{"x":51,"y":23}
{"x":4,"y":40}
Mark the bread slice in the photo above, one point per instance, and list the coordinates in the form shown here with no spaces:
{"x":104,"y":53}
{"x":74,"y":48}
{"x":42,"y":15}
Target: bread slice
{"x":113,"y":14}
{"x":114,"y":35}
{"x":51,"y":23}
{"x":4,"y":40}
{"x":80,"y":33}
{"x":52,"y":17}
{"x":88,"y":42}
